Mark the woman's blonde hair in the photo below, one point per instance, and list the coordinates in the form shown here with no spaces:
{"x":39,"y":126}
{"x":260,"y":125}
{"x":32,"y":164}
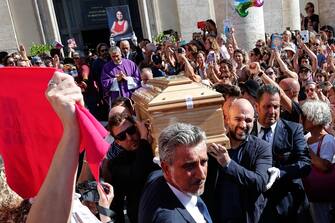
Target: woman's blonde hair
{"x":13,"y":209}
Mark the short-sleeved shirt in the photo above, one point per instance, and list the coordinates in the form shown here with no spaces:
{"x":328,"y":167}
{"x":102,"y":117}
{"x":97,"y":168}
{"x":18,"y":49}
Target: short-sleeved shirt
{"x":327,"y":150}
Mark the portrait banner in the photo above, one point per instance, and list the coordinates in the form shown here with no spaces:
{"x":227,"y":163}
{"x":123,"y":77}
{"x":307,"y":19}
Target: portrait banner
{"x":119,"y":22}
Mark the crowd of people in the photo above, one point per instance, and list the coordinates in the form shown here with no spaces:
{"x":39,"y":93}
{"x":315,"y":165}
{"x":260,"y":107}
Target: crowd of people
{"x":278,"y":110}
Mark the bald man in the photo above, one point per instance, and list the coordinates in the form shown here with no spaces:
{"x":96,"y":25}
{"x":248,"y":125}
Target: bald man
{"x":146,"y":74}
{"x":291,"y":87}
{"x":237,"y":176}
{"x":289,"y":92}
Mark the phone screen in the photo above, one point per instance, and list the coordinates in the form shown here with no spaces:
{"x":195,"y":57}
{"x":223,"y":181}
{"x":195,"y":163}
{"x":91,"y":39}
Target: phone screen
{"x":211,"y":57}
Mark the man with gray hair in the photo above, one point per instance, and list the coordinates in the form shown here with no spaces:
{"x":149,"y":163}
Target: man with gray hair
{"x":120,"y":77}
{"x":146,"y":74}
{"x":174,"y":197}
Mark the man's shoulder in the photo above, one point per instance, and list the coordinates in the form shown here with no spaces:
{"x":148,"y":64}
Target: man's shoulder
{"x":156,"y":183}
{"x":282,"y":123}
{"x":109,"y":65}
{"x":257,"y":144}
{"x":158,"y":203}
{"x":254,"y":140}
{"x":128,"y":62}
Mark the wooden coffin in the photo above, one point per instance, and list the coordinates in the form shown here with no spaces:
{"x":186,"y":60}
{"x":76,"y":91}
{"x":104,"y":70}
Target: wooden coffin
{"x":174,"y":99}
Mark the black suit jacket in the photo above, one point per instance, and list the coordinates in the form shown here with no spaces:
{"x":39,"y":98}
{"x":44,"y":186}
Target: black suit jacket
{"x":160,"y":205}
{"x":248,"y":174}
{"x":290,"y":154}
{"x":127,"y":172}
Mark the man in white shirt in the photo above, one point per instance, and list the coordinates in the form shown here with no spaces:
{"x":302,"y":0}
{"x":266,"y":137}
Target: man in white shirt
{"x":286,"y":199}
{"x":174,"y":197}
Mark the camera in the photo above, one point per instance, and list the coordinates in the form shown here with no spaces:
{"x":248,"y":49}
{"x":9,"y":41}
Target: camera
{"x":89,"y":192}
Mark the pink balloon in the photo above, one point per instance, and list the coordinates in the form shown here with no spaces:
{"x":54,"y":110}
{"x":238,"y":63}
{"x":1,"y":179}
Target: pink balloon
{"x":258,"y":3}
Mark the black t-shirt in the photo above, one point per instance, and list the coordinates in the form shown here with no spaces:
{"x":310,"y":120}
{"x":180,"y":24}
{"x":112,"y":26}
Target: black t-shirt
{"x":295,"y":114}
{"x":315,"y":21}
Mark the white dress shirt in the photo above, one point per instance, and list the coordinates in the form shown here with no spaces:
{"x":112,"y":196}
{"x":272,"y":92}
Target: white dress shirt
{"x":190,"y":203}
{"x":260,"y":131}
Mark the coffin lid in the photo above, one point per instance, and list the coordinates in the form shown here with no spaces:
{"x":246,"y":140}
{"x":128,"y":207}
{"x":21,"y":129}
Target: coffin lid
{"x":174,"y":90}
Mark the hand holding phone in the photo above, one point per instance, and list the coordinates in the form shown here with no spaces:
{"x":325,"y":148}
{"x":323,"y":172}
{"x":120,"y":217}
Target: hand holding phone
{"x":304,"y":36}
{"x":210,"y":57}
{"x":106,"y":194}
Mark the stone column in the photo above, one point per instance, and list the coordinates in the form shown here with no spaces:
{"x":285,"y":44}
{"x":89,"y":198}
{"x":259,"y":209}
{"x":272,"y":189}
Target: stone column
{"x":327,"y":12}
{"x":291,"y":14}
{"x":7,"y":31}
{"x":273,"y":19}
{"x":191,"y":11}
{"x":247,"y":29}
{"x":148,"y":25}
{"x":49,"y":21}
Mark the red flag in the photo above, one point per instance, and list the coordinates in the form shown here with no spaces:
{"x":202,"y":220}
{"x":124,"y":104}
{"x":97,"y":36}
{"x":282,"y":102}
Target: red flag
{"x":30,"y":130}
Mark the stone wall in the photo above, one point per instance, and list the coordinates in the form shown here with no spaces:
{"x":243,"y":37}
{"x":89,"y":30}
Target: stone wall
{"x":7,"y":37}
{"x":192,"y":11}
{"x":327,"y":12}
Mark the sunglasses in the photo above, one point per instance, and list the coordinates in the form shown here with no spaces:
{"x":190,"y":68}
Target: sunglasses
{"x":131,"y":130}
{"x":103,"y":50}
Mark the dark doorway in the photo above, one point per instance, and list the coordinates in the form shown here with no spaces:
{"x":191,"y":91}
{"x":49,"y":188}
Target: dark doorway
{"x":92,"y":37}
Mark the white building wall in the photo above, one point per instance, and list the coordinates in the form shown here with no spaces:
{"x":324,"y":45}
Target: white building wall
{"x":192,"y":11}
{"x":26,"y":25}
{"x":7,"y":36}
{"x":167,"y":15}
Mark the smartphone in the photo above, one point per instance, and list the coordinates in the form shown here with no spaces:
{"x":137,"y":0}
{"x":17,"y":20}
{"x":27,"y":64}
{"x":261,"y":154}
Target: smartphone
{"x":105,"y":188}
{"x":304,"y":36}
{"x":201,"y":24}
{"x":210,"y":57}
{"x":180,"y":50}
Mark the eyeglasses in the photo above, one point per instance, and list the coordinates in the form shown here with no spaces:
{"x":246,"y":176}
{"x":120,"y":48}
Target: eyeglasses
{"x":269,"y":73}
{"x":76,"y":58}
{"x":103,"y":50}
{"x":309,"y":90}
{"x":123,"y":135}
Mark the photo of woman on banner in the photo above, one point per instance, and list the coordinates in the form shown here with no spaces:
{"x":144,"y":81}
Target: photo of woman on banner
{"x":119,"y":22}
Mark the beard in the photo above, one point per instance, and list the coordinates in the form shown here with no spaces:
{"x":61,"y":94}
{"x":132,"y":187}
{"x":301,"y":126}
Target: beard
{"x":239,"y":137}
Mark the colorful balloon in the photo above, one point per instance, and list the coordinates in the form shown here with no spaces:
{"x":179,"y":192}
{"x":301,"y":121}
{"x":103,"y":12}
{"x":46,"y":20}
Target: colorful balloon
{"x":241,"y":6}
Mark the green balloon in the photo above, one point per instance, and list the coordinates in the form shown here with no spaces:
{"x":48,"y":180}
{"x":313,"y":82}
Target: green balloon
{"x":242,"y":8}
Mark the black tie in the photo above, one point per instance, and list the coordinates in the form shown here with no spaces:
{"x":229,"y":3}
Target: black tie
{"x":267,"y":134}
{"x":203,"y":209}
